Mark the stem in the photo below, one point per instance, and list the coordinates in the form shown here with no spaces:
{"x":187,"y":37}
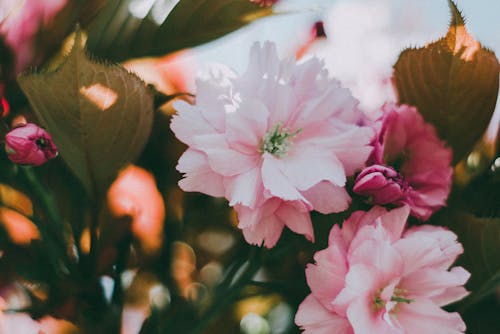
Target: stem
{"x":47,"y":201}
{"x":225,"y":299}
{"x":46,"y":198}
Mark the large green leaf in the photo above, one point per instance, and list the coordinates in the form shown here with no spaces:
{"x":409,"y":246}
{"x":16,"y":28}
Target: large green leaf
{"x":454,"y":84}
{"x":99,"y":115}
{"x":118,"y":35}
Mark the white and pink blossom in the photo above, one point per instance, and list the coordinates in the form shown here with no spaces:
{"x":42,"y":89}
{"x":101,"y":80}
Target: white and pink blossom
{"x":277,"y":142}
{"x":376,"y":276}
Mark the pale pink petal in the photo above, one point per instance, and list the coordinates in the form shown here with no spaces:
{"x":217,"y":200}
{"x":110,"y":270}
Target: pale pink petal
{"x":327,"y":198}
{"x":308,"y":166}
{"x":450,"y":295}
{"x":246,"y":126}
{"x":266,"y":232}
{"x":198,"y":174}
{"x":377,"y":252}
{"x":394,"y":221}
{"x":222,"y":158}
{"x":357,"y":220}
{"x":445,"y":240}
{"x":431,"y":282}
{"x":275,"y":182}
{"x":295,"y":220}
{"x":361,"y":280}
{"x":332,"y":101}
{"x":244,"y":188}
{"x":353,"y":147}
{"x":212,"y":95}
{"x":423,"y":316}
{"x":326,"y":277}
{"x":314,"y":319}
{"x":248,"y":217}
{"x":189,"y":123}
{"x":284,"y":104}
{"x":364,"y":319}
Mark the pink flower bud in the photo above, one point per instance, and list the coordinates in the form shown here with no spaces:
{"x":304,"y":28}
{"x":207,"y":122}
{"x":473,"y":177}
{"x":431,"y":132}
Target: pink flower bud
{"x":382,"y":184}
{"x":29,"y":144}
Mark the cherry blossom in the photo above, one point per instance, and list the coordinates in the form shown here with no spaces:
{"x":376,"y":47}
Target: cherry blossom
{"x":378,"y":277}
{"x":277,"y":142}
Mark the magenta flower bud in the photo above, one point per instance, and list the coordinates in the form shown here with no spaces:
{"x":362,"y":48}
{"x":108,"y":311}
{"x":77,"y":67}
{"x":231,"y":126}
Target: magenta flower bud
{"x":383,"y":184}
{"x":29,"y":144}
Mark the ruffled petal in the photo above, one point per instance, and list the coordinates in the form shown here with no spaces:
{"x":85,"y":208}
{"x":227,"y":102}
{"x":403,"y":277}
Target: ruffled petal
{"x":198,"y":174}
{"x":327,"y":198}
{"x":314,"y":319}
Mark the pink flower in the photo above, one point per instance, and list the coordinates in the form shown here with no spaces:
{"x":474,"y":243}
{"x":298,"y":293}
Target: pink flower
{"x":277,"y":142}
{"x":29,"y":144}
{"x":411,"y":165}
{"x":377,"y":277}
{"x":20,"y":22}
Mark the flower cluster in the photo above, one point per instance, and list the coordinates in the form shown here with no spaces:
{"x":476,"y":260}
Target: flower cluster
{"x":378,"y":277}
{"x":277,"y":142}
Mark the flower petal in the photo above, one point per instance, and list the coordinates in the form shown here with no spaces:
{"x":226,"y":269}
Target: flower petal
{"x":245,"y":188}
{"x":222,"y":158}
{"x":296,"y":220}
{"x":327,"y":198}
{"x":199,"y":176}
{"x":308,"y":166}
{"x":189,"y":123}
{"x":246,"y":126}
{"x":314,"y":319}
{"x":275,"y":182}
{"x":423,"y":316}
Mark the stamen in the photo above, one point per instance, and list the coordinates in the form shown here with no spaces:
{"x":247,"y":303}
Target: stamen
{"x":401,"y":300}
{"x":277,"y":141}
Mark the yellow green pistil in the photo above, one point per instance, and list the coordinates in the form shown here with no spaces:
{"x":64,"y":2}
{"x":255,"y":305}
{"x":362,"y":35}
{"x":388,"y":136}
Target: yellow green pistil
{"x":398,"y":297}
{"x":277,"y":141}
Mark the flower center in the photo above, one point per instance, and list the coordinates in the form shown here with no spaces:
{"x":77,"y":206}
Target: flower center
{"x":397,"y":178}
{"x":278,"y":140}
{"x":41,"y":143}
{"x":397,"y":297}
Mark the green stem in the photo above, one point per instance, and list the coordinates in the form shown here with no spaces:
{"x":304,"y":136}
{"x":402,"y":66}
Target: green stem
{"x":225,"y":299}
{"x":45,"y":197}
{"x":47,"y":201}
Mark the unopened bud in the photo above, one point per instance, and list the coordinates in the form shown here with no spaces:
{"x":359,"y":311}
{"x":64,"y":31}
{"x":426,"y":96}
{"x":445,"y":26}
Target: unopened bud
{"x":29,"y":144}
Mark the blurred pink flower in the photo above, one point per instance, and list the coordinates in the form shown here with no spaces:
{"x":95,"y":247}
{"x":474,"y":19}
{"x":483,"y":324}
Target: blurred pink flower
{"x":377,"y":277}
{"x":20,"y":22}
{"x":420,"y":164}
{"x":277,"y":142}
{"x":29,"y":144}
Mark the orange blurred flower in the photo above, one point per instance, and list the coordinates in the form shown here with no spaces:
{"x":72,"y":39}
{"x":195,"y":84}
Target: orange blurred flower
{"x":134,"y":194}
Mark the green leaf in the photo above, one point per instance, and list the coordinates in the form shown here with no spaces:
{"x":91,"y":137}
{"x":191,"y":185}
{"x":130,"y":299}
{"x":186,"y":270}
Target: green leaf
{"x":454,"y":84}
{"x":99,"y":115}
{"x":117,"y":34}
{"x":480,"y":238}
